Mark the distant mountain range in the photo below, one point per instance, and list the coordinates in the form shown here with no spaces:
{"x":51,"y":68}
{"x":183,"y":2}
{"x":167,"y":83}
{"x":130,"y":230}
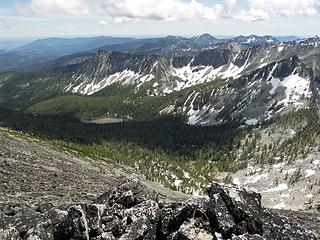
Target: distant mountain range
{"x":31,"y":56}
{"x":9,"y":44}
{"x":288,"y":38}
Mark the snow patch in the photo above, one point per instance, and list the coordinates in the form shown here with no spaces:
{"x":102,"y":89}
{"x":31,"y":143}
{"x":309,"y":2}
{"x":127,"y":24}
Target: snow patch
{"x":281,"y":205}
{"x":280,"y":187}
{"x":125,"y":77}
{"x":168,"y":109}
{"x":233,"y":71}
{"x":186,"y":175}
{"x":191,"y":76}
{"x":290,"y":171}
{"x":233,"y":193}
{"x":316,"y":162}
{"x":309,"y":196}
{"x":236,"y":181}
{"x":275,"y":82}
{"x":278,"y":166}
{"x":252,"y":121}
{"x":177,"y":182}
{"x":280,"y":48}
{"x":250,"y":40}
{"x":296,"y":87}
{"x":256,"y":178}
{"x":310,"y":172}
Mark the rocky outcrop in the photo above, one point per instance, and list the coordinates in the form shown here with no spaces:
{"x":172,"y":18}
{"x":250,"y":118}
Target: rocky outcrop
{"x":132,"y":211}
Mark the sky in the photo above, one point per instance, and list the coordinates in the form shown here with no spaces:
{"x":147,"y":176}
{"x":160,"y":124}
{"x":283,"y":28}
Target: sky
{"x":21,"y":19}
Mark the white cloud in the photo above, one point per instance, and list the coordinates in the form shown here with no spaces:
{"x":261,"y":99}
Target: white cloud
{"x":67,"y":28}
{"x":260,"y":10}
{"x":160,"y":10}
{"x":286,"y":7}
{"x":56,"y":7}
{"x":120,"y":20}
{"x":164,"y":10}
{"x":253,"y":15}
{"x":103,"y":22}
{"x":231,"y":10}
{"x":120,"y":11}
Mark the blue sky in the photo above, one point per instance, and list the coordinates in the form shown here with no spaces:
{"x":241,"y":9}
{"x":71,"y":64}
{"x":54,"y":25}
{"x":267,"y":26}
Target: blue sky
{"x":43,"y":18}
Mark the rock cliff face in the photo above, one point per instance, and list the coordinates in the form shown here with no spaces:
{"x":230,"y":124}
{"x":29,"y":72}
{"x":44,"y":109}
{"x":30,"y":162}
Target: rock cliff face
{"x":132,"y":211}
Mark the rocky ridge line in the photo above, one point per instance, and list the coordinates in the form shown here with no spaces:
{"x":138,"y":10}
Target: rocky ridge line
{"x":132,"y":211}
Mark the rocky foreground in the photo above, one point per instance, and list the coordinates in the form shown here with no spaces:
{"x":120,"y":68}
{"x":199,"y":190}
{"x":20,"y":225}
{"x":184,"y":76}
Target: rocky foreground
{"x":131,"y":211}
{"x":47,"y":194}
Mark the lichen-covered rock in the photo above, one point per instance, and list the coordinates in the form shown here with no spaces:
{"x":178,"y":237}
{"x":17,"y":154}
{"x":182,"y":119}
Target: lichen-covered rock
{"x":132,"y":212}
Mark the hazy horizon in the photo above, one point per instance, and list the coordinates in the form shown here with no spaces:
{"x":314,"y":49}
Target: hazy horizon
{"x":5,"y":39}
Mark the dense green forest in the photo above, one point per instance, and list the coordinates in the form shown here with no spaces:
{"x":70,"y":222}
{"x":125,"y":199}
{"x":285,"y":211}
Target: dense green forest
{"x":116,"y":101}
{"x":166,"y":149}
{"x":165,"y":143}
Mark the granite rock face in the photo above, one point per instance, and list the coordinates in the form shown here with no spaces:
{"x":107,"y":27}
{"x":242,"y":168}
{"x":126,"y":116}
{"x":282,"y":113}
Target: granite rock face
{"x":131,"y":211}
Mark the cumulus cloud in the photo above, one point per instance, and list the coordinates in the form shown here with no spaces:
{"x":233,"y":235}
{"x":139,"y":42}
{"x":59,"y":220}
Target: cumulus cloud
{"x":260,"y":10}
{"x":120,"y":11}
{"x":55,"y":7}
{"x":286,"y":7}
{"x":252,"y":15}
{"x":160,"y":10}
{"x":230,"y":9}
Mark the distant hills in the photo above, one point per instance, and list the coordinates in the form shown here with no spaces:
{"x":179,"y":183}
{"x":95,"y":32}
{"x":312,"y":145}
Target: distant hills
{"x":32,"y":56}
{"x":66,"y":46}
{"x":288,"y":38}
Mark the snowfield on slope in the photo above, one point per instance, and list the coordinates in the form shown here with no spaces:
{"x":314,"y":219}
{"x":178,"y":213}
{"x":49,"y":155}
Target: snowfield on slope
{"x":287,"y":186}
{"x":296,"y":89}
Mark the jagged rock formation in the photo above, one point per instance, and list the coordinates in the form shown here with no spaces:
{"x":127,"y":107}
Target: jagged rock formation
{"x":132,"y":211}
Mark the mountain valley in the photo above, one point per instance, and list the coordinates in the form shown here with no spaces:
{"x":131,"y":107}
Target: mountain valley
{"x":174,"y":113}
